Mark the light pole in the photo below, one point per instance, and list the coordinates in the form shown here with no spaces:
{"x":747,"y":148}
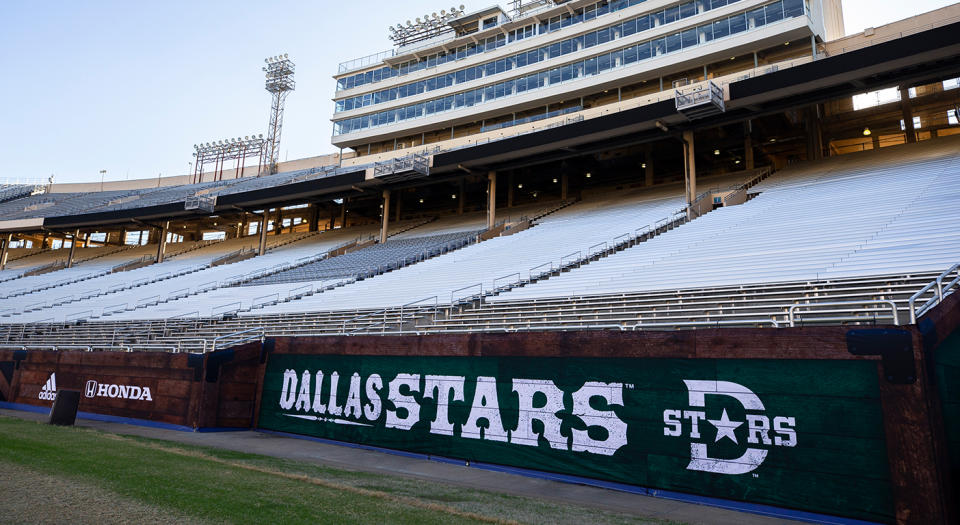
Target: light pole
{"x":102,"y":173}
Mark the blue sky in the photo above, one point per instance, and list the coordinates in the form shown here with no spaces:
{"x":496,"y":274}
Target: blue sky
{"x":129,"y":87}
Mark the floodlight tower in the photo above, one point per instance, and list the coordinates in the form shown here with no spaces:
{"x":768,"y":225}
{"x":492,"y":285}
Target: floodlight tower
{"x":279,"y":71}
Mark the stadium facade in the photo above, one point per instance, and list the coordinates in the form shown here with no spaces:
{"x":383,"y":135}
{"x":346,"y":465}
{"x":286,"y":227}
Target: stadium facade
{"x":704,"y":249}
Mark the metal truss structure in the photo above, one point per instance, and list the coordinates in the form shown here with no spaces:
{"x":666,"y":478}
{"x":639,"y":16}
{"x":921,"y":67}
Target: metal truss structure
{"x":220,"y":152}
{"x":279,"y":72}
{"x":427,"y":27}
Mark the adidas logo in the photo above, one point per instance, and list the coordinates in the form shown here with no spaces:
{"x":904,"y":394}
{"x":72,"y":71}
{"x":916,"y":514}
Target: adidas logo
{"x":49,"y":390}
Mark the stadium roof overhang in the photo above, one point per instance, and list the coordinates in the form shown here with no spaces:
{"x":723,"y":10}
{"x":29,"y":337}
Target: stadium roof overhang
{"x":911,"y":60}
{"x":323,"y":188}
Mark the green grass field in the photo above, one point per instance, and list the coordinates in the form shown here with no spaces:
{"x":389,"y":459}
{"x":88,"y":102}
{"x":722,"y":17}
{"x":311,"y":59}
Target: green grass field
{"x":74,"y":475}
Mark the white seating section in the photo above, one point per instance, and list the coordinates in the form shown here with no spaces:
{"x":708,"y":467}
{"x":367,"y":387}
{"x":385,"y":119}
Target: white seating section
{"x":575,"y":227}
{"x":878,"y":222}
{"x":894,"y":212}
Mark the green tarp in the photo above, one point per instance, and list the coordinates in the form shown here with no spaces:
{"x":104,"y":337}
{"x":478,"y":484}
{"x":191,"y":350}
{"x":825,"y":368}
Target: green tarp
{"x":794,"y":433}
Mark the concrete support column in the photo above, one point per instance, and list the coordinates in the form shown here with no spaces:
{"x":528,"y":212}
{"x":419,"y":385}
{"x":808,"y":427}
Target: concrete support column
{"x":564,"y":186}
{"x":123,"y":237}
{"x":814,"y":134}
{"x":398,"y":206}
{"x":73,"y":248}
{"x":5,"y":253}
{"x":491,"y":199}
{"x":648,"y":165}
{"x":343,"y":213}
{"x":510,"y":190}
{"x":262,"y":246}
{"x":46,"y":241}
{"x":278,"y":222}
{"x":162,"y":248}
{"x":333,"y":219}
{"x":385,"y":216}
{"x":462,"y":196}
{"x":907,"y":109}
{"x":314,"y":218}
{"x":748,"y":152}
{"x":689,"y":169}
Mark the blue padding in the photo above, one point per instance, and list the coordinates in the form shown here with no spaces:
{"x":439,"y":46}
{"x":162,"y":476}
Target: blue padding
{"x":752,"y":508}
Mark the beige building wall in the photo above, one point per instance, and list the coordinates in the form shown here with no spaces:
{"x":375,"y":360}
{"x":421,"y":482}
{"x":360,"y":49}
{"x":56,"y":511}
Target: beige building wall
{"x":833,"y":20}
{"x":320,"y":161}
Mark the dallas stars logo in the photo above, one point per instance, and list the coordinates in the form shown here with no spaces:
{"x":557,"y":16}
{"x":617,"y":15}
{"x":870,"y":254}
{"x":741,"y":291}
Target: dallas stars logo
{"x":758,"y":428}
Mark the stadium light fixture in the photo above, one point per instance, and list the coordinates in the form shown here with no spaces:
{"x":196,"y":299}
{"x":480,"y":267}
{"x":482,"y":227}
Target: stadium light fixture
{"x":453,"y":196}
{"x":421,"y":201}
{"x":716,"y":152}
{"x":588,"y":175}
{"x":866,"y":132}
{"x":554,"y":181}
{"x":519,"y":186}
{"x":643,"y":165}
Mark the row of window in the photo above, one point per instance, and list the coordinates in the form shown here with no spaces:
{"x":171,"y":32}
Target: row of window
{"x":582,"y":14}
{"x":738,"y":23}
{"x":636,"y":25}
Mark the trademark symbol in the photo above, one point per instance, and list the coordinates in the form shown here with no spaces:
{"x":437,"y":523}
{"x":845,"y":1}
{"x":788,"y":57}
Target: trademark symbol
{"x":628,"y":386}
{"x":756,"y":475}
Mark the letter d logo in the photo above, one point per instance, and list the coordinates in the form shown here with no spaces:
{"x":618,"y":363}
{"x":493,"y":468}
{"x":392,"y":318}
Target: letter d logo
{"x":91,"y":389}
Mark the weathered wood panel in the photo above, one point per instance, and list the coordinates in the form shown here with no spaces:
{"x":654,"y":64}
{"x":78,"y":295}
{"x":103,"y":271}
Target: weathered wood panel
{"x":141,"y":385}
{"x":230,"y":384}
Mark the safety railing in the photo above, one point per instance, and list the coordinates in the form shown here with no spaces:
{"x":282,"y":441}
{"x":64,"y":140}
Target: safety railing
{"x":226,"y":309}
{"x":456,"y":297}
{"x":78,"y":316}
{"x":537,"y":271}
{"x":842,"y":307}
{"x":503,"y":279}
{"x":265,"y":300}
{"x":112,"y":309}
{"x":938,"y":291}
{"x":238,"y":338}
{"x":571,"y":259}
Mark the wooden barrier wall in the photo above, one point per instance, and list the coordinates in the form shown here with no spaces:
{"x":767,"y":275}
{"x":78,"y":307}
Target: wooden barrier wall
{"x":186,"y":390}
{"x":910,"y":409}
{"x":913,"y":393}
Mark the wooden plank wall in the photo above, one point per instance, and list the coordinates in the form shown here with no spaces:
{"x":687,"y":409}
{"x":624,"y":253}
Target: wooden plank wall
{"x":174,"y":389}
{"x":231,"y":382}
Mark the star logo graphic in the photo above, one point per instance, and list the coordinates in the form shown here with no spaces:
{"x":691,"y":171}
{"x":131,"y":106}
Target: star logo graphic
{"x":725,"y":427}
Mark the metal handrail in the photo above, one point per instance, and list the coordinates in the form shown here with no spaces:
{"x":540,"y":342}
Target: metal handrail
{"x":550,"y":263}
{"x":178,"y":294}
{"x":791,"y":312}
{"x":225,"y":309}
{"x":452,"y":292}
{"x":590,"y":251}
{"x":86,"y":314}
{"x":567,"y":257}
{"x":495,"y":287}
{"x":259,"y":331}
{"x":153,"y":299}
{"x":308,"y":287}
{"x":107,"y":309}
{"x":257,"y":300}
{"x":940,"y":293}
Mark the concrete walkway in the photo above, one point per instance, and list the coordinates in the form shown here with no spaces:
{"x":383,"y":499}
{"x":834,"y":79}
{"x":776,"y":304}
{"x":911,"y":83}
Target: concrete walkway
{"x":349,"y":458}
